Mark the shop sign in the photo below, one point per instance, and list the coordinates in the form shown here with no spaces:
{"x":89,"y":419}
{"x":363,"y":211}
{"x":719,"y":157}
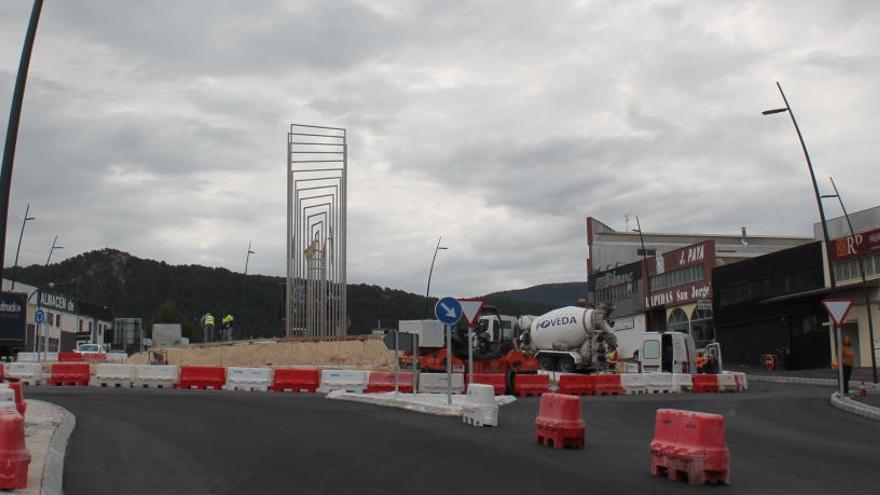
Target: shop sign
{"x":854,"y":245}
{"x":681,"y":294}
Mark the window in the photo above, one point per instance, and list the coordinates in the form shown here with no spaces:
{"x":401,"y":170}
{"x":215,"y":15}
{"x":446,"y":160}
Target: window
{"x":90,"y":327}
{"x":50,"y":319}
{"x":58,"y":321}
{"x":80,"y":325}
{"x":678,"y":321}
{"x":651,"y":349}
{"x":693,"y":273}
{"x":647,"y":252}
{"x":848,"y":269}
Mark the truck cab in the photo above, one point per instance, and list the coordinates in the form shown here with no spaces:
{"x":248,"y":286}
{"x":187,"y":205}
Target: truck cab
{"x":670,"y":352}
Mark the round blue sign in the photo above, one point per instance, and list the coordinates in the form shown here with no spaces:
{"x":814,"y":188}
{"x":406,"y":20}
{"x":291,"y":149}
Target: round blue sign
{"x":40,"y":316}
{"x":448,"y":310}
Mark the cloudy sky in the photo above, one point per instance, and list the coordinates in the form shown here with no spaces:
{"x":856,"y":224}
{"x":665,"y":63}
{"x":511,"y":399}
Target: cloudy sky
{"x":159,"y":127}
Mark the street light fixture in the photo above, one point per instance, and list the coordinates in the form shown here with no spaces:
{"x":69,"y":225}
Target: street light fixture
{"x":431,"y":271}
{"x":18,"y":249}
{"x":647,"y":275}
{"x":52,"y":249}
{"x":248,"y":258}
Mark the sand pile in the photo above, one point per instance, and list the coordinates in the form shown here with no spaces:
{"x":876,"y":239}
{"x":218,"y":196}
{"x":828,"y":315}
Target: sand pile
{"x":369,"y":354}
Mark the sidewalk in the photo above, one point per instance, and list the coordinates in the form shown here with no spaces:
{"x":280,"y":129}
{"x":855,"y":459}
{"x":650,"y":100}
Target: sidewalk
{"x":46,"y":429}
{"x":859,"y":374}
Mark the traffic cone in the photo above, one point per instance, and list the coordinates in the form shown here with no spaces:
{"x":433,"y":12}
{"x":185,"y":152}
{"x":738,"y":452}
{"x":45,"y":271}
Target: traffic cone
{"x":862,"y":391}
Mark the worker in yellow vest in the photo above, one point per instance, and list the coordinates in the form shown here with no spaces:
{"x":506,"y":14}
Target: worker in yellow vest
{"x":207,"y":326}
{"x":227,"y":322}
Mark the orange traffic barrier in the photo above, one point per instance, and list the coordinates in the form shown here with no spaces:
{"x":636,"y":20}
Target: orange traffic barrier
{"x":14,"y":456}
{"x":15,"y":386}
{"x":560,"y":423}
{"x":497,"y":380}
{"x":76,"y":374}
{"x":66,"y":357}
{"x":706,"y":383}
{"x":525,"y":385}
{"x":202,"y":377}
{"x":607,"y":384}
{"x":691,"y":444}
{"x":295,"y":380}
{"x":577,"y":384}
{"x":383,"y":381}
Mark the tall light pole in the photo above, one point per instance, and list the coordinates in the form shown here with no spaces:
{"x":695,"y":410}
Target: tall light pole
{"x":12,"y":128}
{"x":647,"y":275}
{"x":53,"y":248}
{"x":861,"y":273}
{"x":18,"y":249}
{"x":248,"y":258}
{"x":431,"y":271}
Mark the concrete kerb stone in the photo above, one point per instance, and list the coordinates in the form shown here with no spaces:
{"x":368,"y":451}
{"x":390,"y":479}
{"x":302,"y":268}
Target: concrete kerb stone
{"x":53,"y":471}
{"x":424,"y":403}
{"x":855,"y":407}
{"x":800,"y":380}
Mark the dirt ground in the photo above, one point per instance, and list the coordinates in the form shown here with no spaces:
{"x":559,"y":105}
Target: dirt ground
{"x":353,"y":354}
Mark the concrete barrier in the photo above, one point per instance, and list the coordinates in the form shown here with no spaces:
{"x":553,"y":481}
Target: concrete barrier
{"x":682,"y":382}
{"x":27,"y":373}
{"x":479,"y":407}
{"x":349,"y":380}
{"x":660,"y":383}
{"x":116,"y":357}
{"x":250,"y":379}
{"x":634,"y":383}
{"x":435,"y":383}
{"x":727,"y":382}
{"x":151,"y":376}
{"x":113,"y":375}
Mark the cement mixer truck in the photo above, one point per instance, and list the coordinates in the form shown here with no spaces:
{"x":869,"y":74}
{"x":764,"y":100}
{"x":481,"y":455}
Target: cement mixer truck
{"x":576,"y":339}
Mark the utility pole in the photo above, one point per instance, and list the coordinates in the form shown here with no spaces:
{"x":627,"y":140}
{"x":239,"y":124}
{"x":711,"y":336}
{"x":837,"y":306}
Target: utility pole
{"x":52,"y":250}
{"x":18,"y":249}
{"x":646,"y":275}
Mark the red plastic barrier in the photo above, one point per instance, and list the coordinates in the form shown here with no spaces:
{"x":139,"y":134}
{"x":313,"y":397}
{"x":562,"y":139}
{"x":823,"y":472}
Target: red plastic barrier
{"x":14,"y":456}
{"x":383,"y":381}
{"x":559,"y":422}
{"x":577,"y":384}
{"x":2,"y":370}
{"x":690,"y":443}
{"x":607,"y":384}
{"x":94,"y":357}
{"x":706,"y":383}
{"x":202,"y":377}
{"x":525,"y":385}
{"x":76,"y":374}
{"x":497,"y":380}
{"x":65,"y":357}
{"x":295,"y":380}
{"x":20,"y":404}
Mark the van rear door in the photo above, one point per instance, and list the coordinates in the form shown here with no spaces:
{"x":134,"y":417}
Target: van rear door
{"x":650,"y":355}
{"x":667,"y":352}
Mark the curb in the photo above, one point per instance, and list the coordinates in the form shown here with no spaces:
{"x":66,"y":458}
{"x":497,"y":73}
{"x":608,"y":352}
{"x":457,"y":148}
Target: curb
{"x":799,"y":380}
{"x":53,"y":471}
{"x":855,"y":407}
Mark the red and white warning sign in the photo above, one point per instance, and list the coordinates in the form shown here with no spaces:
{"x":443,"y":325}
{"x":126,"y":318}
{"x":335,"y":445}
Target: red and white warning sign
{"x":837,"y":308}
{"x":470,"y":308}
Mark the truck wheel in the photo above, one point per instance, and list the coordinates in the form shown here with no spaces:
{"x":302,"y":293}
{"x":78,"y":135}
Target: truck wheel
{"x":548,"y":363}
{"x":566,"y":365}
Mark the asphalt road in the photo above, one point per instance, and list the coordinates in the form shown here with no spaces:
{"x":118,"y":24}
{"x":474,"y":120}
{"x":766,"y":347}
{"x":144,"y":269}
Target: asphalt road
{"x":782,"y":439}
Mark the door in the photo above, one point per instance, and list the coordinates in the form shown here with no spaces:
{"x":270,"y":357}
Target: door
{"x":667,"y":353}
{"x":851,"y":330}
{"x":650,"y":355}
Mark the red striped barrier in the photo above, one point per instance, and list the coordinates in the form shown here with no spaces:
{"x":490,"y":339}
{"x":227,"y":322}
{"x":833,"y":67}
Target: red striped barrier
{"x":577,"y":384}
{"x":383,"y":381}
{"x":93,"y":357}
{"x":202,"y":377}
{"x":607,"y":384}
{"x":692,"y":444}
{"x":68,"y":357}
{"x":525,"y":385}
{"x":560,"y":423}
{"x":497,"y":380}
{"x":76,"y":374}
{"x":14,"y":456}
{"x":295,"y":380}
{"x":706,"y":383}
{"x":15,"y":386}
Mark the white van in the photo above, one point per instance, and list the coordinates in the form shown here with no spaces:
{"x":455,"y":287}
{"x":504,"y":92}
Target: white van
{"x":670,"y":352}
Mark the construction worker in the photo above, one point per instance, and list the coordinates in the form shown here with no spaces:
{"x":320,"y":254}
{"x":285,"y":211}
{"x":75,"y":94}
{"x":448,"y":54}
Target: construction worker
{"x":227,"y":326}
{"x":701,"y":362}
{"x":849,"y":358}
{"x":207,"y":326}
{"x":612,"y":359}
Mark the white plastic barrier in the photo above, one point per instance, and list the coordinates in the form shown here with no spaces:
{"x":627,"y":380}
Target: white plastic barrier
{"x":116,"y":357}
{"x":634,"y":383}
{"x":660,"y":383}
{"x":250,"y":379}
{"x":113,"y":375}
{"x":435,"y":383}
{"x":27,"y":373}
{"x":164,"y":376}
{"x":479,"y":407}
{"x":683,"y":382}
{"x":727,"y":382}
{"x":26,"y":357}
{"x":743,"y":380}
{"x":349,"y":380}
{"x":7,"y":399}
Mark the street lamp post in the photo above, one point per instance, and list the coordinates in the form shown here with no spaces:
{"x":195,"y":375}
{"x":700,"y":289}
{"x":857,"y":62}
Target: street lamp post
{"x":431,"y":271}
{"x":52,"y":249}
{"x":18,"y":249}
{"x":647,"y":275}
{"x":862,"y":274}
{"x":248,"y":258}
{"x":827,"y":240}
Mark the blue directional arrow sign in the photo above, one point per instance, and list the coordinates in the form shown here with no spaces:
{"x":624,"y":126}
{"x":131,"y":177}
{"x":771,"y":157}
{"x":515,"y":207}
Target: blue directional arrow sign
{"x":40,"y":316}
{"x":448,"y":311}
